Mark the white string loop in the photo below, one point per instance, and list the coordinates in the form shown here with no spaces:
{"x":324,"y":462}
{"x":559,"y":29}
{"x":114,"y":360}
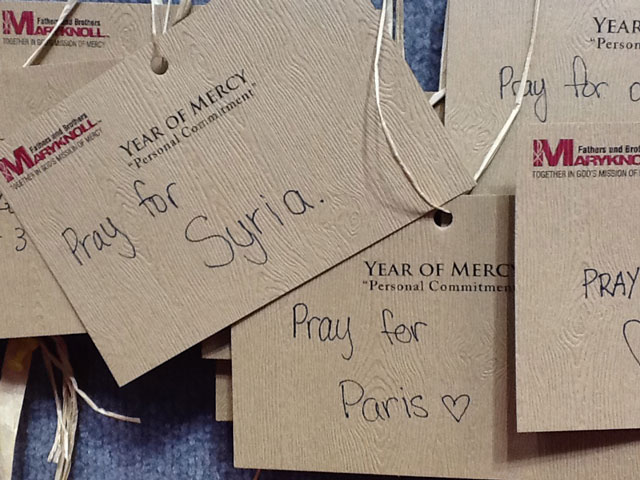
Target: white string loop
{"x":495,"y":147}
{"x":387,"y":133}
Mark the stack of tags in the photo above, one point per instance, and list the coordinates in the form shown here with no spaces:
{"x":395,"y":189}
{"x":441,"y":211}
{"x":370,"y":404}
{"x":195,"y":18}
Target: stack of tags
{"x":285,"y":186}
{"x":441,"y":352}
{"x":94,"y":37}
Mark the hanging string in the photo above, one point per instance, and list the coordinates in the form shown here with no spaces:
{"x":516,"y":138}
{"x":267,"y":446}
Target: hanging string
{"x":68,"y":7}
{"x":184,"y":9}
{"x":395,"y":22}
{"x":399,"y":36}
{"x":495,"y":147}
{"x":437,"y":97}
{"x":389,"y":18}
{"x":154,"y":5}
{"x":67,"y":409}
{"x":387,"y":133}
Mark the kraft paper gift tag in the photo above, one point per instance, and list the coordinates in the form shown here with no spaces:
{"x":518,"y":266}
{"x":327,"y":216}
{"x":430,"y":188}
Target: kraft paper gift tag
{"x":224,"y":396}
{"x":36,"y":305}
{"x":93,"y":31}
{"x":392,"y":363}
{"x":400,"y":361}
{"x":578,"y":347}
{"x":173,"y":205}
{"x":218,"y":347}
{"x":584,"y":69}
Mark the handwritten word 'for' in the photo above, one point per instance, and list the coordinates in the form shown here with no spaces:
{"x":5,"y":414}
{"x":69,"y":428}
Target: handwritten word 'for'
{"x":326,"y":329}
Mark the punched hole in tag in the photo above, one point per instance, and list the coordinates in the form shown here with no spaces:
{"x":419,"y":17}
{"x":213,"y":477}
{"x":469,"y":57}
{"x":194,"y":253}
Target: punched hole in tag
{"x":443,"y":219}
{"x":159,"y":64}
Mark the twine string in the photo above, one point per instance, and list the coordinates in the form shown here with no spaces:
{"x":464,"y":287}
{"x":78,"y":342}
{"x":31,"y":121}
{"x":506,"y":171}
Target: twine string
{"x":400,"y":25}
{"x":68,"y":7}
{"x":437,"y":97}
{"x":497,"y":143}
{"x":387,"y":133}
{"x":67,"y":409}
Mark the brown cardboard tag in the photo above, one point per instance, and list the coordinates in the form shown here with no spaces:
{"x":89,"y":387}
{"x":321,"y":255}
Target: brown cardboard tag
{"x":224,"y":395}
{"x":403,"y":346}
{"x":218,"y":347}
{"x":36,"y":305}
{"x":400,"y":362}
{"x":93,"y":31}
{"x":578,"y":350}
{"x":583,"y":69}
{"x":170,"y":206}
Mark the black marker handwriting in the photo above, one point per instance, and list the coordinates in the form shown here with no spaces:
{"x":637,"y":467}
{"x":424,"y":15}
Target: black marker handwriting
{"x":401,"y":333}
{"x":22,"y":239}
{"x":533,"y":88}
{"x":155,"y":204}
{"x":356,"y":401}
{"x":4,"y":205}
{"x":324,"y":328}
{"x":246,"y":234}
{"x":582,"y":86}
{"x":458,"y":406}
{"x":606,"y":284}
{"x":625,"y":333}
{"x":104,"y":237}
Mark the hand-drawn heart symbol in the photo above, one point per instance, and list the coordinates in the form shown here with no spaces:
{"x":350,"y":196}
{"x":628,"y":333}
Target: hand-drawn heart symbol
{"x":626,"y":330}
{"x":453,"y":405}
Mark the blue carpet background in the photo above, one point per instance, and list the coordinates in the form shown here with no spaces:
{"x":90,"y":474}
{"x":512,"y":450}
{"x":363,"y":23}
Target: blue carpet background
{"x":178,"y":438}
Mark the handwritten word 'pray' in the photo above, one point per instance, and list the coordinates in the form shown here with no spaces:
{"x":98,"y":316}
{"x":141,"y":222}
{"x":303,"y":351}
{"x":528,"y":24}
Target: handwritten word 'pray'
{"x":107,"y":235}
{"x":580,"y":82}
{"x":324,"y":328}
{"x":605,"y":284}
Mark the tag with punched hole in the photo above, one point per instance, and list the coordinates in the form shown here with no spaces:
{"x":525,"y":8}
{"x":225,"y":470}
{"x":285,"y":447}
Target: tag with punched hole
{"x":35,"y":304}
{"x":218,"y":347}
{"x":578,"y":272}
{"x":400,"y":361}
{"x":583,"y":69}
{"x":170,"y":206}
{"x":403,"y":345}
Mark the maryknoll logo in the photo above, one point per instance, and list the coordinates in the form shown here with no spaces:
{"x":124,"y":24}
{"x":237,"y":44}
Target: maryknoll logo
{"x":23,"y":161}
{"x":24,"y":23}
{"x":542,"y":150}
{"x":566,"y":154}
